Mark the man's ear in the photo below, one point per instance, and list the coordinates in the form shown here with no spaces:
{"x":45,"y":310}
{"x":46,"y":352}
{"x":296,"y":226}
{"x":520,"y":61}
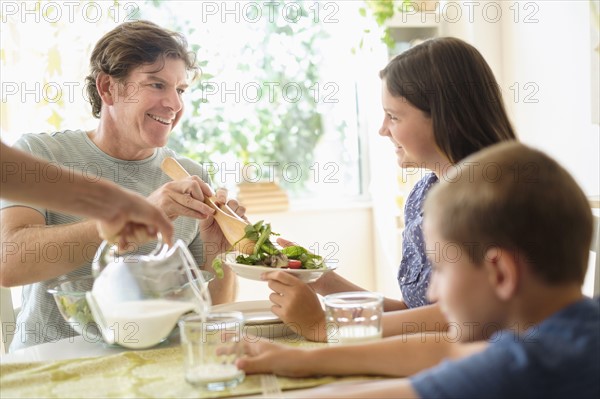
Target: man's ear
{"x":503,"y":271}
{"x":105,"y":87}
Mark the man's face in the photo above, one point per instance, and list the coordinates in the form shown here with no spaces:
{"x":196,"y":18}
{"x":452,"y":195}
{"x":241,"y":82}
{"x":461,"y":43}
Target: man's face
{"x":147,"y":104}
{"x":460,"y":287}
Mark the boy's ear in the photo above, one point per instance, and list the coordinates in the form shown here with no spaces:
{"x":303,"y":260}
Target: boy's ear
{"x":503,"y":272}
{"x":104,"y":85}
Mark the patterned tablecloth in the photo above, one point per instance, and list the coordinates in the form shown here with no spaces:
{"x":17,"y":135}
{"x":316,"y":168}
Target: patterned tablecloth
{"x":156,"y":373}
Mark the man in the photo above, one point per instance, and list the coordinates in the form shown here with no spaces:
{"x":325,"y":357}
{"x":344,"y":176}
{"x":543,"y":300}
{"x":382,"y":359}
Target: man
{"x":138,"y":73}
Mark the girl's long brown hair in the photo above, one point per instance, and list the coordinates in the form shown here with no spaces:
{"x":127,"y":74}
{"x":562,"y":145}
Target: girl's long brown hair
{"x":450,"y":81}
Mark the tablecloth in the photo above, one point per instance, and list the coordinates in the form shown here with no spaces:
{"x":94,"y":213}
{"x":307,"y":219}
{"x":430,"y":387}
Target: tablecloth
{"x":156,"y":373}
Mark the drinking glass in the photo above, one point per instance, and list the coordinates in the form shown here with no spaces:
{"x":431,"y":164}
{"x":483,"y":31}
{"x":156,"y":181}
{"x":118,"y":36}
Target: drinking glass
{"x":211,"y":344}
{"x":353,"y":317}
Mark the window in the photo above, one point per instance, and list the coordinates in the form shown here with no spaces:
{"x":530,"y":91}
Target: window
{"x":277,"y":99}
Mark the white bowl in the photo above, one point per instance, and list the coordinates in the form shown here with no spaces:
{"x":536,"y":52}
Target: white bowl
{"x":259,"y":320}
{"x":253,"y":272}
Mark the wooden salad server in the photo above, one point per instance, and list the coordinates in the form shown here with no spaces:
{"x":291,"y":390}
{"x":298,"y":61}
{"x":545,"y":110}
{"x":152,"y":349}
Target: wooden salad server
{"x":232,"y":226}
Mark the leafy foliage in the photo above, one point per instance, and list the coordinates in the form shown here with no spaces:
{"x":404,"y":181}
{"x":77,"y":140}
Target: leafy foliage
{"x":381,"y":11}
{"x":284,"y":124}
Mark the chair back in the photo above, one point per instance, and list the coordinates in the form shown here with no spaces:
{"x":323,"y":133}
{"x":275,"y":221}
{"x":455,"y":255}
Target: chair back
{"x":7,"y":319}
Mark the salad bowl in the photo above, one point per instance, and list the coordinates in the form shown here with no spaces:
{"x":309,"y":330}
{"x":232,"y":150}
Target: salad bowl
{"x":253,"y":272}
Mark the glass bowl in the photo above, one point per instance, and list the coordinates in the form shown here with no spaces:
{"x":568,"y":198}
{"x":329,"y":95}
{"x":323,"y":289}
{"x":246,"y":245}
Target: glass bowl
{"x":69,"y":295}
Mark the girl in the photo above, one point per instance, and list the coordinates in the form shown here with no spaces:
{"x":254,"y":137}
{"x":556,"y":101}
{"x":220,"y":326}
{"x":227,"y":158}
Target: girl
{"x":441,"y":104}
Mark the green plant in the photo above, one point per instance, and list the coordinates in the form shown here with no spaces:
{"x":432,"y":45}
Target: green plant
{"x":279,"y":128}
{"x":382,"y":11}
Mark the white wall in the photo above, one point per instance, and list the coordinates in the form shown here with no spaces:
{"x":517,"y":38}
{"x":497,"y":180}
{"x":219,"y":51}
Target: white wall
{"x":545,"y":44}
{"x":555,"y":54}
{"x":541,"y":50}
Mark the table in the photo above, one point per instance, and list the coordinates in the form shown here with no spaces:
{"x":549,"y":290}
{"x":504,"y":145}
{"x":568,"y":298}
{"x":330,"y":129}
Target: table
{"x":73,"y":367}
{"x":68,"y":348}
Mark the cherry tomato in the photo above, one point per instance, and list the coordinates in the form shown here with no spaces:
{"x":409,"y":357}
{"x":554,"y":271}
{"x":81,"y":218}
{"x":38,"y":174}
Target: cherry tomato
{"x":294,"y":264}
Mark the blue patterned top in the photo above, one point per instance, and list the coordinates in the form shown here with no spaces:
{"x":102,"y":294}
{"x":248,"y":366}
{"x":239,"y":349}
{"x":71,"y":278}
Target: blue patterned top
{"x":415,"y":268}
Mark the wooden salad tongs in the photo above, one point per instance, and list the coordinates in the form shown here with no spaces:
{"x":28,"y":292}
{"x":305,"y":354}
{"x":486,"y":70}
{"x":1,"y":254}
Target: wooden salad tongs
{"x":232,"y":226}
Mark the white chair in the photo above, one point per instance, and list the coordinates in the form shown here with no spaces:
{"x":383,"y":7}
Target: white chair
{"x":591,"y":285}
{"x":7,"y":318}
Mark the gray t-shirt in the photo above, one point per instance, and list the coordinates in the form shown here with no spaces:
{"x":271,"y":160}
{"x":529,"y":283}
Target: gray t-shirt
{"x":39,"y":320}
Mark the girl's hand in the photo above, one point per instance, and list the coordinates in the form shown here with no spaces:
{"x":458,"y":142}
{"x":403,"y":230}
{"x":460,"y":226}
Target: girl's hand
{"x":297,"y":304}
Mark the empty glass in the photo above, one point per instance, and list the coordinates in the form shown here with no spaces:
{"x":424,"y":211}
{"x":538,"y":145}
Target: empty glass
{"x":353,"y":317}
{"x":211,"y":344}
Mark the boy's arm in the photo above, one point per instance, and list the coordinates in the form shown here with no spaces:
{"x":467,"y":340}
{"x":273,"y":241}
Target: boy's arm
{"x":397,"y":356}
{"x":410,"y":321}
{"x":391,"y":388}
{"x":394,"y":388}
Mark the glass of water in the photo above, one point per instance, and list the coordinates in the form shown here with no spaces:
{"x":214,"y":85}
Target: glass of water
{"x":353,"y":317}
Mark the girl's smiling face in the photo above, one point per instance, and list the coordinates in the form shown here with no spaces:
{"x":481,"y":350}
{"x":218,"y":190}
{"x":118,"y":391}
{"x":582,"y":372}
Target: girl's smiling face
{"x":411,"y":132}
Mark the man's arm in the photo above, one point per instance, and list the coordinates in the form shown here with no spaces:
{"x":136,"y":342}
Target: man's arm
{"x":67,"y":192}
{"x":121,"y":212}
{"x":32,"y":251}
{"x":222,"y":290}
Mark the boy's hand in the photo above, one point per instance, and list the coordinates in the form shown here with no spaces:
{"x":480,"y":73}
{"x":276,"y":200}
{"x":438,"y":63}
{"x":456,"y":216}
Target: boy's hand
{"x":266,"y":358}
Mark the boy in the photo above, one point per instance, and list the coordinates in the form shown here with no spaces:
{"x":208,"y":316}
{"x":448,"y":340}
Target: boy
{"x":508,"y":235}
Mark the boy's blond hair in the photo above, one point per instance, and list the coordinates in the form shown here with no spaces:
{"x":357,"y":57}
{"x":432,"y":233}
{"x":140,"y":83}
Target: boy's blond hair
{"x":514,"y":197}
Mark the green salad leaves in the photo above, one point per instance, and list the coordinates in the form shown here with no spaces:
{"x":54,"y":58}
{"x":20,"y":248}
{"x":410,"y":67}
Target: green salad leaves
{"x":266,"y":254}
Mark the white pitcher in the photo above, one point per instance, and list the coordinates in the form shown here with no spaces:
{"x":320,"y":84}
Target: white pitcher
{"x":137,"y":300}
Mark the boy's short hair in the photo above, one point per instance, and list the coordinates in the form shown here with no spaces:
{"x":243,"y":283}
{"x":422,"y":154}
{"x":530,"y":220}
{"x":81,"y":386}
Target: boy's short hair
{"x":129,"y":46}
{"x":517,"y":198}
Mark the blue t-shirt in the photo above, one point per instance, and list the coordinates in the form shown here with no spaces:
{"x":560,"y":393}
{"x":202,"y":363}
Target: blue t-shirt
{"x":559,"y":358}
{"x":415,"y":268}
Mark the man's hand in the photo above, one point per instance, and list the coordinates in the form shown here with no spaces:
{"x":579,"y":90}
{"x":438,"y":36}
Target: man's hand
{"x":210,"y":230}
{"x":183,"y":198}
{"x":135,"y":219}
